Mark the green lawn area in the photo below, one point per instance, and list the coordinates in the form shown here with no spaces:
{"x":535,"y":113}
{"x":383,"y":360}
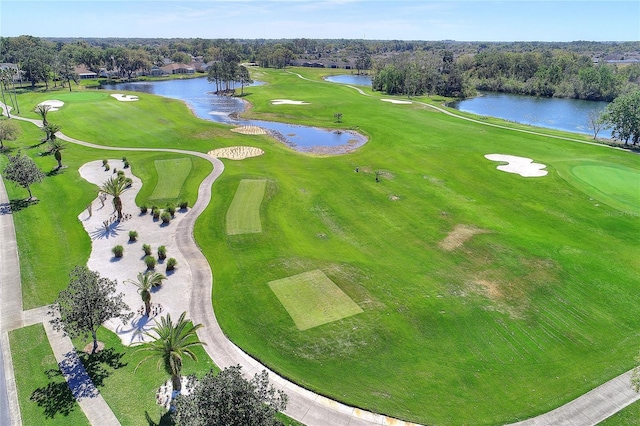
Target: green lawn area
{"x":243,"y":216}
{"x":43,"y":394}
{"x":520,"y":319}
{"x":627,"y":417}
{"x":172,"y":174}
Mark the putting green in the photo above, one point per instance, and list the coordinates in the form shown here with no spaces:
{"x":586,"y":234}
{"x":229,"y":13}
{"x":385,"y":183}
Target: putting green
{"x":312,"y":299}
{"x":243,"y":216}
{"x":171,"y":176}
{"x":615,"y":185}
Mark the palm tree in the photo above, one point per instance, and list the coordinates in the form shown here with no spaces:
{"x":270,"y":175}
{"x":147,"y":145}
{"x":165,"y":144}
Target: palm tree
{"x":50,"y":130}
{"x":170,"y":344}
{"x":56,"y":147}
{"x":145,"y":282}
{"x":115,"y":186}
{"x":42,"y":110}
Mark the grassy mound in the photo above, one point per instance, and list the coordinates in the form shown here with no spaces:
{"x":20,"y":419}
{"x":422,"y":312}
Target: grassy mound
{"x":172,"y":174}
{"x":312,"y":299}
{"x":243,"y":216}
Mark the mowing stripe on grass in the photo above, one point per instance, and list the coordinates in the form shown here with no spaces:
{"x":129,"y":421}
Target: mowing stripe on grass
{"x":312,"y":299}
{"x":243,"y":216}
{"x":171,"y":176}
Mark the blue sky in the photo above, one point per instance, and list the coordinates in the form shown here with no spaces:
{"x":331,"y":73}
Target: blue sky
{"x":507,"y":20}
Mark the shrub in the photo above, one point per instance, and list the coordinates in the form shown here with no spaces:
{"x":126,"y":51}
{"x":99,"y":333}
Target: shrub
{"x":146,"y":248}
{"x":171,"y":209}
{"x":162,"y":253}
{"x":118,"y":251}
{"x":154,"y":207}
{"x":133,"y":235}
{"x":165,"y":216}
{"x":105,"y":162}
{"x":124,"y":159}
{"x":143,"y":209}
{"x":150,"y":261}
{"x":128,"y":181}
{"x":120,"y":172}
{"x":106,"y":167}
{"x":155,"y":213}
{"x":171,"y":264}
{"x":126,"y":165}
{"x":183,"y":205}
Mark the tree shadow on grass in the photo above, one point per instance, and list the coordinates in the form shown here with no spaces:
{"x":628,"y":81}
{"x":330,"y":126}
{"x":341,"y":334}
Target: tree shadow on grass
{"x":16,"y":205}
{"x":165,"y":420}
{"x":84,"y":373}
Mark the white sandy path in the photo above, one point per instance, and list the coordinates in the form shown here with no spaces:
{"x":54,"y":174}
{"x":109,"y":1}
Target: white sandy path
{"x":287,"y":102}
{"x":523,"y":166}
{"x":396,"y":101}
{"x":54,"y":104}
{"x":175,"y":293}
{"x":124,"y":98}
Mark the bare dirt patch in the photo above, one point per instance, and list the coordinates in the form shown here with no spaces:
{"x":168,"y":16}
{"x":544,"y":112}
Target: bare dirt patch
{"x":236,"y":152}
{"x":459,"y":235}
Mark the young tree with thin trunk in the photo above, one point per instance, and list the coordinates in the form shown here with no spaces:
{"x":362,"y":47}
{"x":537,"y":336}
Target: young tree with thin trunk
{"x":9,"y":131}
{"x":171,"y":342}
{"x":88,"y":301}
{"x":42,"y":110}
{"x":145,"y":283}
{"x":23,"y":171}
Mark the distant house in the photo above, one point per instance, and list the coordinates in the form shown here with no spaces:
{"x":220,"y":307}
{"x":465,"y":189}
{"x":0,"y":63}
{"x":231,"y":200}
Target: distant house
{"x":178,"y":69}
{"x":156,"y":71}
{"x":313,"y":64}
{"x":14,"y":67}
{"x":84,"y":73}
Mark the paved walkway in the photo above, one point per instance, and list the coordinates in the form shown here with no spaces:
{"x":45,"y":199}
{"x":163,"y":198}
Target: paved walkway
{"x":304,"y":406}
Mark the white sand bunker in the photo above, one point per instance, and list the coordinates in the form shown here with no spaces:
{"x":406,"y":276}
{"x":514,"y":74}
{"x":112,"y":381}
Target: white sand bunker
{"x":53,"y":104}
{"x":250,"y":130}
{"x":525,"y":167}
{"x":395,"y":101}
{"x":124,"y":98}
{"x":236,"y":152}
{"x":287,"y":102}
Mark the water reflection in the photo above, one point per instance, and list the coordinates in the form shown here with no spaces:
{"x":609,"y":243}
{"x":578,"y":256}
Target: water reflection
{"x":199,"y":96}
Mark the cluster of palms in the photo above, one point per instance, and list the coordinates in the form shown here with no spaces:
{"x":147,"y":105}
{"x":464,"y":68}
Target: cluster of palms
{"x":170,"y":341}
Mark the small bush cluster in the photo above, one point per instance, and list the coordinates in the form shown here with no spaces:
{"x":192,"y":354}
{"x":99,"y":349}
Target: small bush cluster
{"x":133,"y":236}
{"x":150,"y":261}
{"x":117,"y":251}
{"x":162,"y":253}
{"x":183,"y":205}
{"x":146,"y":248}
{"x":165,"y":216}
{"x":171,"y":264}
{"x":126,"y":162}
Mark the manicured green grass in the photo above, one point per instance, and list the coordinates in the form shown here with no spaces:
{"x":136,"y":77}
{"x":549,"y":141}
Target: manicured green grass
{"x":517,"y":321}
{"x":312,"y":299}
{"x":243,"y":216}
{"x":627,"y":417}
{"x":51,"y":240}
{"x":43,"y":394}
{"x":132,"y":394}
{"x":172,"y":174}
{"x":615,"y":185}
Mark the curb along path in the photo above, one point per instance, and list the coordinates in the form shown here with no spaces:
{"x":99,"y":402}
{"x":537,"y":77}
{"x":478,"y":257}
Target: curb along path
{"x":306,"y":406}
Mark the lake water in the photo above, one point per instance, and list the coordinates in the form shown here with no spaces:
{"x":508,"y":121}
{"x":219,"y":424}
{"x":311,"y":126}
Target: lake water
{"x":570,"y":115}
{"x":356,"y":80}
{"x":199,"y":96}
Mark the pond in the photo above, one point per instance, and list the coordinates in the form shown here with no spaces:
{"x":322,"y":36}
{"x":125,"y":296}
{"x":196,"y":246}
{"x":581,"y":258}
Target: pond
{"x":198,"y":95}
{"x":356,"y":80}
{"x":570,"y":115}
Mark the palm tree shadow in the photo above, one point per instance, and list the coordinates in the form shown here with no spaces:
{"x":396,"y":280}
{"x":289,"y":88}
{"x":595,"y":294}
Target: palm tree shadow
{"x":107,"y":232}
{"x":165,"y":420}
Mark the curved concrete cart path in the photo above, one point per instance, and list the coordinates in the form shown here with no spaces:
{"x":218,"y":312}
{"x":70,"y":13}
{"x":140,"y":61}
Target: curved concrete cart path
{"x":306,"y":406}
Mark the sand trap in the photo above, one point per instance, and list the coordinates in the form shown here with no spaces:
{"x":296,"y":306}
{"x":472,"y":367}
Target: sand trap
{"x":236,"y":152}
{"x":174,"y":294}
{"x":525,"y":167}
{"x":250,"y":130}
{"x":124,"y":98}
{"x":54,"y":104}
{"x":395,"y":101}
{"x":287,"y":102}
{"x":459,"y":235}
